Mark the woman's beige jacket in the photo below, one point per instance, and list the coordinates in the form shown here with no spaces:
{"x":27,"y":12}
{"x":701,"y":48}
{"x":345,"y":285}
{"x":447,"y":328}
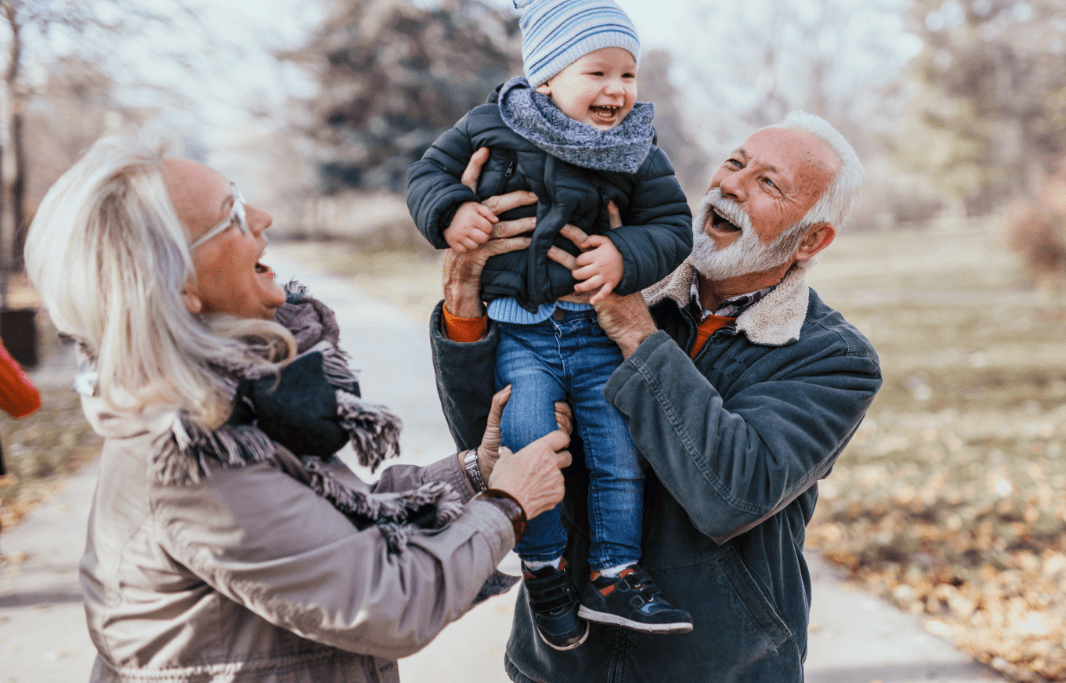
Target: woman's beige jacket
{"x":249,"y":576}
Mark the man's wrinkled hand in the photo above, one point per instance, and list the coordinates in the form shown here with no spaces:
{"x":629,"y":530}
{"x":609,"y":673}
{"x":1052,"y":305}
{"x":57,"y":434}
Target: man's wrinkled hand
{"x":462,"y":271}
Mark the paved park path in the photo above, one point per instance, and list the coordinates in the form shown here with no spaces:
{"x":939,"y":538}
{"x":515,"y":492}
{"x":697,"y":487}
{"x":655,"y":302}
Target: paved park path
{"x":854,"y":638}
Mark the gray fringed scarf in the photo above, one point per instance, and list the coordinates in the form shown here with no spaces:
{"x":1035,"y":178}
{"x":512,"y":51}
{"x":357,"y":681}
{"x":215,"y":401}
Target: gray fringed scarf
{"x":536,"y":118}
{"x":312,"y":407}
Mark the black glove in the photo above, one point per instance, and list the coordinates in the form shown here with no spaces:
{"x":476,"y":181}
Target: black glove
{"x":297,"y":409}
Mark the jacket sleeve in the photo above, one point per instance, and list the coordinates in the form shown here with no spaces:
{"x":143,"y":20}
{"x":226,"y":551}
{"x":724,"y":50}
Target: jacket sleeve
{"x":659,"y":237}
{"x":18,"y":396}
{"x":403,"y":477}
{"x":266,"y":541}
{"x":434,"y":192}
{"x":733,"y":464}
{"x":465,"y":373}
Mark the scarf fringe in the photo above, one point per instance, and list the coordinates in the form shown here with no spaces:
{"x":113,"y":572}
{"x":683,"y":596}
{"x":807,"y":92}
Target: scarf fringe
{"x":187,"y":455}
{"x":183,"y":458}
{"x":390,"y":512}
{"x":373,"y":431}
{"x":335,"y":365}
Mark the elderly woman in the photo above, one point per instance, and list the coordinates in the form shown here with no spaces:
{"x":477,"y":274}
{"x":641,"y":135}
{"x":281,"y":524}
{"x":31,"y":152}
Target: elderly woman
{"x":225,"y":542}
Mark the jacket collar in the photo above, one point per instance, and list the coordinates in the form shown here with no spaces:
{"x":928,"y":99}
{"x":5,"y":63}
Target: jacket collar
{"x":775,"y":320}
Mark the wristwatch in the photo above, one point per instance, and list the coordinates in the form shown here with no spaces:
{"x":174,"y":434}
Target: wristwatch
{"x":473,"y":472}
{"x":509,"y":506}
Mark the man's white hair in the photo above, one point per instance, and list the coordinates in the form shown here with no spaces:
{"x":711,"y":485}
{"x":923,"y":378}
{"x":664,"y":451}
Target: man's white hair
{"x":110,"y":259}
{"x":841,"y":195}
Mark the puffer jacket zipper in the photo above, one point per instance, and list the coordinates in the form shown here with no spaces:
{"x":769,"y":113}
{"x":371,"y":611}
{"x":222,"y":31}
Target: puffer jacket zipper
{"x":512,"y":161}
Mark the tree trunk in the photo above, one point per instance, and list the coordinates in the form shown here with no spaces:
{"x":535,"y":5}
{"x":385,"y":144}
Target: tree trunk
{"x":3,"y":258}
{"x":19,"y":224}
{"x":14,"y":63}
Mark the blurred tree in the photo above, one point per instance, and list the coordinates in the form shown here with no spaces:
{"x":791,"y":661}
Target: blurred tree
{"x":1036,"y":229}
{"x":675,"y":134}
{"x":753,"y":61}
{"x":988,"y":107}
{"x":30,"y":23}
{"x":394,"y":75}
{"x":75,"y":104}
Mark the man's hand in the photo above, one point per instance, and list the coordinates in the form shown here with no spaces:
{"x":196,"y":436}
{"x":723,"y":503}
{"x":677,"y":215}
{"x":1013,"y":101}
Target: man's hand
{"x":470,"y":227}
{"x":625,"y":319}
{"x":462,"y":270}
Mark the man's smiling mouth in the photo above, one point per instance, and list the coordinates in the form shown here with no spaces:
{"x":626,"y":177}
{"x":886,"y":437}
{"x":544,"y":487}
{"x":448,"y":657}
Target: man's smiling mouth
{"x":721,"y":223}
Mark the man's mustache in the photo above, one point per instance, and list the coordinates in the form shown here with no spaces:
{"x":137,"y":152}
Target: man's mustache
{"x":729,"y":208}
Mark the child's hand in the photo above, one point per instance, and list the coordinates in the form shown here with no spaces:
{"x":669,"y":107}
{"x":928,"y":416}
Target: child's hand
{"x":599,"y":267}
{"x":470,"y":227}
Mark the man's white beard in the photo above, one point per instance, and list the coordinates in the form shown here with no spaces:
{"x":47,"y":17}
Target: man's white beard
{"x":746,"y":255}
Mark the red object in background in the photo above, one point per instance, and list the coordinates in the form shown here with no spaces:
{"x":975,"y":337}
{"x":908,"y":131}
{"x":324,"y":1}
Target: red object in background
{"x":18,"y":396}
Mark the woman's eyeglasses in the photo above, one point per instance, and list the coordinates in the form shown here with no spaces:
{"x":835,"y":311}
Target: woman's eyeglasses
{"x":236,"y":215}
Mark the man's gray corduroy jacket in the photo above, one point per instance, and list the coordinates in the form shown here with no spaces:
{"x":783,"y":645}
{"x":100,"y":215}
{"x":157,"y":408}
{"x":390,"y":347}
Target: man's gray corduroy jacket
{"x":736,"y":441}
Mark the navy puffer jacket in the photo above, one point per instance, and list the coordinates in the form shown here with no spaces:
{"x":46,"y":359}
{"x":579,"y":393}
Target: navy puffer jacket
{"x":656,"y":232}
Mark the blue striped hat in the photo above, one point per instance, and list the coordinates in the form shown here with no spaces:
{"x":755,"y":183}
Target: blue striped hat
{"x":557,"y":33}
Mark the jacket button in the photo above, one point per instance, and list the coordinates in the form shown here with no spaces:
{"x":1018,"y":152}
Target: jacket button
{"x":558,"y":313}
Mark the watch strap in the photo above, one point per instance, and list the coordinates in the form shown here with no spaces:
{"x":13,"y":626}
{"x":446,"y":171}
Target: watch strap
{"x":509,"y":506}
{"x":473,"y":471}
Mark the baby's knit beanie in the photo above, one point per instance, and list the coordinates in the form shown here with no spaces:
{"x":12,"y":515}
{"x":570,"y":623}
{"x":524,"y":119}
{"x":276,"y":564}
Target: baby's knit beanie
{"x":556,"y":33}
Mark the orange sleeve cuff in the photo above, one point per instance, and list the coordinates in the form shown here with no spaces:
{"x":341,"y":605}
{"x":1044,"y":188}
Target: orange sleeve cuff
{"x":18,"y":396}
{"x":464,"y":330}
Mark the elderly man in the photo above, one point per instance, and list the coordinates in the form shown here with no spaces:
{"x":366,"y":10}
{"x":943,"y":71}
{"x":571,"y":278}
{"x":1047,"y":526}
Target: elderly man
{"x":740,"y":387}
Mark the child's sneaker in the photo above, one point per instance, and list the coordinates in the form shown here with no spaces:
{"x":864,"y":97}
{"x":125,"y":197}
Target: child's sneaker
{"x":633,"y":601}
{"x":554,"y":603}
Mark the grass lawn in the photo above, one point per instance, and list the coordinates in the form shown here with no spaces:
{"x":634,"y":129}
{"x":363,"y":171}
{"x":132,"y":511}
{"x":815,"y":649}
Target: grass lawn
{"x":40,"y":450}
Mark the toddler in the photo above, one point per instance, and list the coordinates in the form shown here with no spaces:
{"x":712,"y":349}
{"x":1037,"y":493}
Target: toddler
{"x":572,"y":133}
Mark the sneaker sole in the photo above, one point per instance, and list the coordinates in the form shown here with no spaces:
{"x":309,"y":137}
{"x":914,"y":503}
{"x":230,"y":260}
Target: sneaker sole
{"x":584,"y":637}
{"x":615,"y":620}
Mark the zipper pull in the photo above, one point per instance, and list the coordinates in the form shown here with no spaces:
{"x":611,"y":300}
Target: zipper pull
{"x":510,"y":168}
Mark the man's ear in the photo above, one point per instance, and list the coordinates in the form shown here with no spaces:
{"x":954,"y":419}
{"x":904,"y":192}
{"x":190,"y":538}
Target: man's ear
{"x":192,"y":300}
{"x":818,"y":237}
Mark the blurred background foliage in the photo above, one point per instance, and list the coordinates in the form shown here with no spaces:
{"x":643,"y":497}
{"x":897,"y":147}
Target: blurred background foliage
{"x":958,"y":107}
{"x":987,"y":109}
{"x":950,"y":499}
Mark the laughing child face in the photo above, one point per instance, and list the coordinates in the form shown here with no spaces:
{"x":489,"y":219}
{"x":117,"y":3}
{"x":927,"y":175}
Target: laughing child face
{"x":599,"y":89}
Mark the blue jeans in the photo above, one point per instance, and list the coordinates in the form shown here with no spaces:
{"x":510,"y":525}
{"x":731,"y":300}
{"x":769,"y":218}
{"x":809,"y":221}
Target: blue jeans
{"x":570,"y":360}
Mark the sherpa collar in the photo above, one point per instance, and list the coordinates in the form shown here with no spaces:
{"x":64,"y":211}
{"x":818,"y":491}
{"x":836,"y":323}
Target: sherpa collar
{"x":776,"y":320}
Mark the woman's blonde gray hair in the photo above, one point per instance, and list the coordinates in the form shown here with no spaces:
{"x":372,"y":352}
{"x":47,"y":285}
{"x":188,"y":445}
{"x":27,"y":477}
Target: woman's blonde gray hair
{"x":110,"y":259}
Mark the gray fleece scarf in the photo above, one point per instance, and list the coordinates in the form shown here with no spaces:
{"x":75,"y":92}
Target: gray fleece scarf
{"x":536,"y":118}
{"x":312,"y":407}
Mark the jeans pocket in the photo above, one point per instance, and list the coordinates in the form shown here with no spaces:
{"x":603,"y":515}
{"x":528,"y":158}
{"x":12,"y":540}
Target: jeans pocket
{"x":753,"y":597}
